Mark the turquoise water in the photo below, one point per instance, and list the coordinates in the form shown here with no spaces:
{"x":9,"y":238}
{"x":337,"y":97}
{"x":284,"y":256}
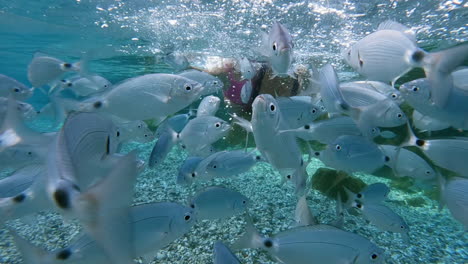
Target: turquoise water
{"x":123,"y":39}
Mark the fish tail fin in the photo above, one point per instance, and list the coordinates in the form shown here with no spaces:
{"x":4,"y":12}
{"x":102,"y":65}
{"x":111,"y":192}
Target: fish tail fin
{"x":339,"y":221}
{"x":105,"y":209}
{"x":438,"y":67}
{"x":251,"y":237}
{"x":30,"y":253}
{"x":162,"y":147}
{"x":411,"y":139}
{"x":349,"y":197}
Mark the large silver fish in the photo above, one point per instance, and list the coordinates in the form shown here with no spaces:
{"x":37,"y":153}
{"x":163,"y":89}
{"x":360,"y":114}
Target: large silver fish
{"x":218,"y":203}
{"x":150,"y":96}
{"x":277,"y":46}
{"x":313,"y":244}
{"x":154,"y":226}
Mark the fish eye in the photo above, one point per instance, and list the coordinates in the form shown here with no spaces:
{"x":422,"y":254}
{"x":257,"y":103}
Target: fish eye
{"x":192,"y":206}
{"x":139,"y":126}
{"x":105,"y":85}
{"x":193,"y":174}
{"x":338,"y":147}
{"x":274,"y":45}
{"x":374,"y":256}
{"x":272,"y":107}
{"x":394,"y":95}
{"x":288,"y":176}
{"x":359,"y":195}
{"x":399,"y":115}
{"x":258,"y":157}
{"x":358,"y":205}
{"x":29,"y":153}
{"x":415,"y":88}
{"x":97,"y":104}
{"x":214,"y":166}
{"x":118,"y":133}
{"x":244,"y":201}
{"x":307,"y":127}
{"x":67,"y":65}
{"x":218,"y":124}
{"x":215,"y":82}
{"x":314,"y":110}
{"x":188,"y":87}
{"x":16,"y":90}
{"x":349,"y":52}
{"x":146,"y":135}
{"x":268,"y":243}
{"x":428,"y":172}
{"x":402,"y":227}
{"x":187,"y":217}
{"x":317,"y":153}
{"x":69,"y":84}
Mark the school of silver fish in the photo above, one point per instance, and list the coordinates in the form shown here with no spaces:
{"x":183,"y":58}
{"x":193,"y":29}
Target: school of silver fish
{"x":77,"y":169}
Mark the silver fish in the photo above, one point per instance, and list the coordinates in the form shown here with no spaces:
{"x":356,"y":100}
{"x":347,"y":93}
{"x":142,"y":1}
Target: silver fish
{"x":326,"y":131}
{"x":150,"y":96}
{"x":14,"y":157}
{"x":277,"y":46}
{"x":223,"y":255}
{"x":384,"y":218}
{"x":330,"y":92}
{"x":323,"y":243}
{"x":353,"y":154}
{"x":86,"y":86}
{"x":11,"y":86}
{"x":298,"y":111}
{"x":393,"y":43}
{"x":374,"y":194}
{"x":208,"y":106}
{"x":359,"y":96}
{"x":201,"y":132}
{"x":246,"y":92}
{"x":154,"y":226}
{"x":455,"y":196}
{"x":26,"y":110}
{"x":20,"y":180}
{"x":162,"y":147}
{"x":186,"y":173}
{"x":407,"y":163}
{"x":210,"y":83}
{"x":247,"y":69}
{"x":226,"y":164}
{"x":302,"y":215}
{"x":136,"y":131}
{"x":380,"y":87}
{"x":218,"y":203}
{"x":280,"y":150}
{"x":176,"y":60}
{"x":44,"y":69}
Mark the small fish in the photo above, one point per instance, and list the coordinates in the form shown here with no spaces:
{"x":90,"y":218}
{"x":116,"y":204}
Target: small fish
{"x":358,"y":96}
{"x":374,"y":194}
{"x":325,"y":243}
{"x":380,"y":87}
{"x":277,"y":46}
{"x":223,"y":255}
{"x":330,"y":92}
{"x":455,"y":196}
{"x":299,"y":110}
{"x":162,"y":147}
{"x":218,"y":203}
{"x":247,"y":69}
{"x":154,"y":226}
{"x":150,"y":96}
{"x":208,"y":106}
{"x":11,"y":86}
{"x":177,"y":61}
{"x":246,"y":92}
{"x":427,"y":124}
{"x":86,"y":86}
{"x":26,"y":111}
{"x":407,"y":163}
{"x":226,"y":164}
{"x":210,"y":83}
{"x":201,"y":132}
{"x":136,"y":131}
{"x":14,"y":157}
{"x":326,"y":131}
{"x":20,"y":180}
{"x":44,"y":69}
{"x":186,"y":175}
{"x":384,"y":218}
{"x":353,"y":154}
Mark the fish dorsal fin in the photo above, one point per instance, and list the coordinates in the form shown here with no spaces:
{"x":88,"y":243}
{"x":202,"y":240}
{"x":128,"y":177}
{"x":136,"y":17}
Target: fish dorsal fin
{"x":392,"y":25}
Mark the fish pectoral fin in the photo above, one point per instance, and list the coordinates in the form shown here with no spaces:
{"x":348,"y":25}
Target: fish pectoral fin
{"x":161,"y":98}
